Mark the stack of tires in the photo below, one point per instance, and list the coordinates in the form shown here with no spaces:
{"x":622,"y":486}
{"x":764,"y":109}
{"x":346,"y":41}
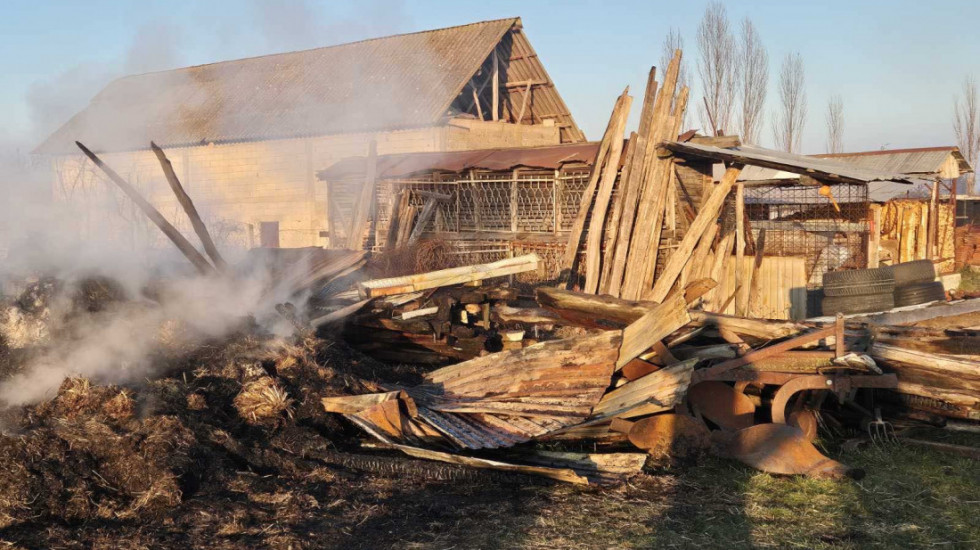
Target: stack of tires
{"x":858,"y":291}
{"x":915,"y":283}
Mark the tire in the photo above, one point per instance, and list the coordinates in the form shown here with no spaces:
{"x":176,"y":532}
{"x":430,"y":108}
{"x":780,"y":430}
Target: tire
{"x":868,"y":303}
{"x":919,"y":293}
{"x":858,"y":282}
{"x":918,"y":271}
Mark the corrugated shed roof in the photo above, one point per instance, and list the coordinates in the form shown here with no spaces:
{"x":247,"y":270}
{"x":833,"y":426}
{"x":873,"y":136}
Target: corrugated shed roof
{"x":393,"y":166}
{"x":924,"y":161}
{"x":401,"y":81}
{"x":828,"y":169}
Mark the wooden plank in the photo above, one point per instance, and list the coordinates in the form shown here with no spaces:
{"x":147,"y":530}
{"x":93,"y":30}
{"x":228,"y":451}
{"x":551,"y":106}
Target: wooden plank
{"x":700,"y":255}
{"x":355,"y":241}
{"x":945,"y":365}
{"x":182,"y":244}
{"x":560,"y":474}
{"x":496,"y":87}
{"x":612,"y":235}
{"x":188,"y":205}
{"x":446,"y":277}
{"x":874,"y":235}
{"x":679,"y":258}
{"x":739,"y":236}
{"x":629,"y":192}
{"x":578,"y":226}
{"x":593,"y":247}
{"x":659,"y":322}
{"x":339,"y":314}
{"x":764,"y":353}
{"x":649,"y":211}
{"x":662,"y":389}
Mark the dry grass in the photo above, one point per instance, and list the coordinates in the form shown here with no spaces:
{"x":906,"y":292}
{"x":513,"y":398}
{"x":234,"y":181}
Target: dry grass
{"x":263,"y":402}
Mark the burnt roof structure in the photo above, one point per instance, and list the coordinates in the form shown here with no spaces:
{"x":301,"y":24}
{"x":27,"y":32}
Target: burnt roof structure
{"x":395,"y":82}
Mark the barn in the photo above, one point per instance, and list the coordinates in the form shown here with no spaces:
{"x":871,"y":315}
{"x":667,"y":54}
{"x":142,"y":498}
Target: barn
{"x":246,"y":136}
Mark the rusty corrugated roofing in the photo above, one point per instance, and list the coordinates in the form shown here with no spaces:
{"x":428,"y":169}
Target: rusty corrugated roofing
{"x":401,"y":81}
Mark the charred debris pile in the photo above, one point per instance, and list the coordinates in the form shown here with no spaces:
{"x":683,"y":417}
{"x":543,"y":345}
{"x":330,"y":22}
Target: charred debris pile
{"x":407,"y":367}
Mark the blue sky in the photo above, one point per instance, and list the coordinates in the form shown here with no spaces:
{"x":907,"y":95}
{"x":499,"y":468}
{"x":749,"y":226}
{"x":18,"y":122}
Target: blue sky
{"x":896,"y":64}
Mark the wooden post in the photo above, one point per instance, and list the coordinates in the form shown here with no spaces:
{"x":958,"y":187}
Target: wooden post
{"x":496,"y":86}
{"x":359,"y":217}
{"x":527,"y":94}
{"x":188,"y":205}
{"x":513,"y":201}
{"x":933,"y":232}
{"x":739,"y":240}
{"x":874,"y":235}
{"x":182,"y":244}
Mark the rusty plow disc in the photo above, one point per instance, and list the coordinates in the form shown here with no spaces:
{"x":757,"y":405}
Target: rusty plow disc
{"x":674,"y":435}
{"x":781,"y":449}
{"x":722,"y":405}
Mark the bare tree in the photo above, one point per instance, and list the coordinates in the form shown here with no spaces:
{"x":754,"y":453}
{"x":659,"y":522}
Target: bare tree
{"x":788,"y":123}
{"x":835,"y":124}
{"x":716,"y":67}
{"x":753,"y":70}
{"x":673,"y":42}
{"x":966,"y":124}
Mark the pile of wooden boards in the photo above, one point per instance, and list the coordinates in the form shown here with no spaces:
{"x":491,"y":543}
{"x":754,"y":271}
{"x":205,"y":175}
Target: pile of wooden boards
{"x":667,"y":377}
{"x":623,"y":234}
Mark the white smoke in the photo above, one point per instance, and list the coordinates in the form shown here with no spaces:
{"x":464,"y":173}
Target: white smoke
{"x":40,"y":236}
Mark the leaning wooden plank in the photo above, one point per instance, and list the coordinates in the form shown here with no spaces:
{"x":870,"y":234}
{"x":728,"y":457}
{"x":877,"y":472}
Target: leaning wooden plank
{"x":188,"y":205}
{"x":446,"y":277}
{"x":560,"y":474}
{"x":663,"y":388}
{"x":428,"y":212}
{"x":578,"y":226}
{"x":613,"y":232}
{"x":339,"y":314}
{"x":649,"y":212}
{"x":739,"y":236}
{"x":700,"y":254}
{"x":680,"y":256}
{"x":664,"y":173}
{"x":597,"y":224}
{"x":398,"y":217}
{"x":355,"y":240}
{"x":629,"y":191}
{"x":659,"y":322}
{"x":182,"y":244}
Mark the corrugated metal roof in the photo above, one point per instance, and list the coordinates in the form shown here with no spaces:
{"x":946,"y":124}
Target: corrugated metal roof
{"x":922,"y":161}
{"x":401,"y":165}
{"x":828,"y":169}
{"x":402,"y":81}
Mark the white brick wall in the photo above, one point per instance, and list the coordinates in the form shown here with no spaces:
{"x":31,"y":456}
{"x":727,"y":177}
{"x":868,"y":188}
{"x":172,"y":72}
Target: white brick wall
{"x":236,"y":186}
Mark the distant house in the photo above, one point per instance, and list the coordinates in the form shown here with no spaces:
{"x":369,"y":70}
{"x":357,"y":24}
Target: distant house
{"x":245,"y":136}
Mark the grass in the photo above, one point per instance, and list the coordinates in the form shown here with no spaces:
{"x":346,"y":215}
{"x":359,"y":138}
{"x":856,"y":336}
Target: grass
{"x":911,"y":498}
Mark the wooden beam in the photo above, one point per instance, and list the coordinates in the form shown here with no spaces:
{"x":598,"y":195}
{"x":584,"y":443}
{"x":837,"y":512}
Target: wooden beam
{"x":874,"y":235}
{"x":355,"y":241}
{"x":594,"y":238}
{"x":764,"y":353}
{"x":527,"y":94}
{"x":446,"y":277}
{"x":660,"y":321}
{"x":578,"y":226}
{"x":476,"y":101}
{"x":188,"y":205}
{"x":182,"y":244}
{"x":708,"y":214}
{"x":496,"y":87}
{"x":739,"y":237}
